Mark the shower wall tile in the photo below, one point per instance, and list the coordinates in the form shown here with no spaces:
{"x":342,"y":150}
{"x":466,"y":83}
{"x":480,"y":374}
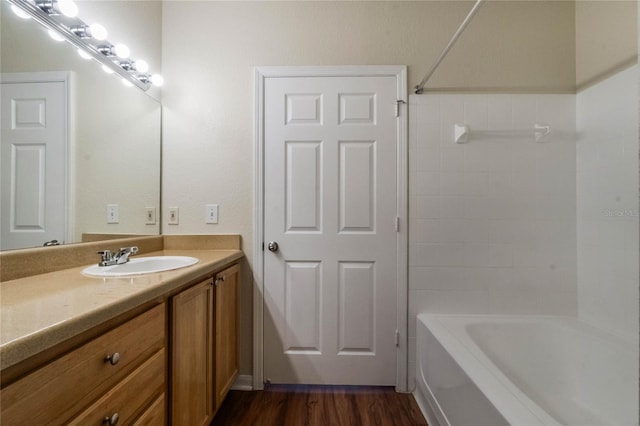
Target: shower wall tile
{"x":499,"y":110}
{"x":607,"y":203}
{"x":493,"y":221}
{"x":476,"y":111}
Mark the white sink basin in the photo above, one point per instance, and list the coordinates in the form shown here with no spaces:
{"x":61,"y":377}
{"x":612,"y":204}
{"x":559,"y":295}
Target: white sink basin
{"x":141,"y":265}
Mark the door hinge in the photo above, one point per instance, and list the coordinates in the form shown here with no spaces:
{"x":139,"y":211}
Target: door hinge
{"x":397,"y":224}
{"x":397,"y":338}
{"x":397,"y":107}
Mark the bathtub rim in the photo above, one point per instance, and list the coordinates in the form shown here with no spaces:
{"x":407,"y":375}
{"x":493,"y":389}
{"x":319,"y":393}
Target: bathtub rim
{"x":512,"y":403}
{"x":450,"y":330}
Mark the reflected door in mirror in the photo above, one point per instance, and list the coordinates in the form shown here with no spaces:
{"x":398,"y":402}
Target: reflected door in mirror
{"x":33,"y":161}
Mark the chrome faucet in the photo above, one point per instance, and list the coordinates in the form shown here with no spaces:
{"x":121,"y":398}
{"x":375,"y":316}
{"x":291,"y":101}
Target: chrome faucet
{"x":116,"y":258}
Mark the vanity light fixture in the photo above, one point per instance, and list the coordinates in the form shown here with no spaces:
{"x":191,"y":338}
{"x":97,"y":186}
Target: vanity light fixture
{"x":157,"y":80}
{"x":126,"y":65}
{"x":141,"y":66}
{"x":81,"y":31}
{"x":56,"y":7}
{"x":46,"y":6}
{"x":106,"y":50}
{"x":90,"y":40}
{"x":67,"y":7}
{"x":95,"y":31}
{"x":122,"y":51}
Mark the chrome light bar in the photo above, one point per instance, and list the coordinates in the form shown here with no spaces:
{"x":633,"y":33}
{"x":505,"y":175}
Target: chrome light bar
{"x":46,"y":18}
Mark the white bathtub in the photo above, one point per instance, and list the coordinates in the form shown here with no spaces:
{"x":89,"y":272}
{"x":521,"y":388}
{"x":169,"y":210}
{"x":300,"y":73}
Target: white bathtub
{"x":523,"y":370}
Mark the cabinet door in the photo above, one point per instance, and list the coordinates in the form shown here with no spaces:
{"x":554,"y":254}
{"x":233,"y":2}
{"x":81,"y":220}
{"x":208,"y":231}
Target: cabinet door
{"x":192,"y":356}
{"x":226,"y":314}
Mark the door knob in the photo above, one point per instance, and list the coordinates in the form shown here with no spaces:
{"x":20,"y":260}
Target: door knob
{"x":272,"y":246}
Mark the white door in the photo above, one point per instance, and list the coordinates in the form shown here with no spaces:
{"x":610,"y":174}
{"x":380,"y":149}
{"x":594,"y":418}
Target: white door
{"x":33,"y":164}
{"x":330,"y":204}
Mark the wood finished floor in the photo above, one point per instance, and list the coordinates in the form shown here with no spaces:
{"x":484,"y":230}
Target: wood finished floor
{"x":307,"y":405}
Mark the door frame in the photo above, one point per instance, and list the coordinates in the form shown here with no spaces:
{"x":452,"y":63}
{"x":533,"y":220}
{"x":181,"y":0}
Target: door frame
{"x":260,"y":76}
{"x":66,"y":78}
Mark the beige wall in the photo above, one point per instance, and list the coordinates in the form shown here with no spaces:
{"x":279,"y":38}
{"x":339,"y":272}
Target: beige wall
{"x":210,"y":49}
{"x":606,"y":39}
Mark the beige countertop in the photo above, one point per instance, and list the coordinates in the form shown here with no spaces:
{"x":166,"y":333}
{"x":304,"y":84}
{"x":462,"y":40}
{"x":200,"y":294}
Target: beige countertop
{"x":40,"y":311}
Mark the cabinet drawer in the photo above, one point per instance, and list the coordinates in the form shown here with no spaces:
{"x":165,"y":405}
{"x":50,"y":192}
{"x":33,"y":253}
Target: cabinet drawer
{"x":127,"y":399}
{"x":62,"y":388}
{"x":155,"y":415}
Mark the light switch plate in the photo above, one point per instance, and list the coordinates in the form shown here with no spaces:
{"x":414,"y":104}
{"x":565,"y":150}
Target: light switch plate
{"x":150,"y":216}
{"x":113,"y":215}
{"x":173,"y":216}
{"x":212,"y":213}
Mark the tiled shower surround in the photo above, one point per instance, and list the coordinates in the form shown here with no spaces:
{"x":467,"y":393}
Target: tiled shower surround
{"x":492,"y":221}
{"x":506,"y":225}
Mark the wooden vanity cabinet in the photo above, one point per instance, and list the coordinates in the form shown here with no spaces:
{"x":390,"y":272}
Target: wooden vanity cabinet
{"x":204,"y":353}
{"x":226,"y":326}
{"x":118,"y":375}
{"x":192,"y":347}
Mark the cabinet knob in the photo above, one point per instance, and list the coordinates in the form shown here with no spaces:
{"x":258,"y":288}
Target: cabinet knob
{"x":112,"y":359}
{"x":111,"y":420}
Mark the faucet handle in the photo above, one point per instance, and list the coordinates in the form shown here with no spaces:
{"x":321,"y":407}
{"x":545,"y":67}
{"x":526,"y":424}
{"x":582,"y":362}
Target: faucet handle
{"x":106,"y":254}
{"x":123,"y":254}
{"x":106,"y":257}
{"x":131,"y":250}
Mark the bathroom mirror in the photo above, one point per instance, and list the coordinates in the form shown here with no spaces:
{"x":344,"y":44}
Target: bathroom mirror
{"x":113,"y":154}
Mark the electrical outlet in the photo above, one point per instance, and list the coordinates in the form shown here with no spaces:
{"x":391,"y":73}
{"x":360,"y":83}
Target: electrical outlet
{"x":150,"y":216}
{"x":173,"y":216}
{"x":113,"y":215}
{"x":211,"y":213}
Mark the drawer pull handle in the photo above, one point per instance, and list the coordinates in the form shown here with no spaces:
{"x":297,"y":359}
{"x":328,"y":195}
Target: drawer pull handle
{"x":112,"y":359}
{"x":112,"y":421}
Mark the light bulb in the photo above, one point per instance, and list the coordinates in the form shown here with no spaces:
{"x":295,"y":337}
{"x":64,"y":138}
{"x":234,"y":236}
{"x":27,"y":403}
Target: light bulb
{"x":83,"y":54}
{"x":122,"y":51}
{"x":55,"y":35}
{"x":157,"y":80}
{"x":127,"y":83}
{"x":68,"y":8}
{"x":107,"y":69}
{"x":141,"y":65}
{"x":98,"y":31}
{"x":19,"y":12}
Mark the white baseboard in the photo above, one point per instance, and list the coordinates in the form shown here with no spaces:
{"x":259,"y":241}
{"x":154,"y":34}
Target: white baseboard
{"x":244,"y":382}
